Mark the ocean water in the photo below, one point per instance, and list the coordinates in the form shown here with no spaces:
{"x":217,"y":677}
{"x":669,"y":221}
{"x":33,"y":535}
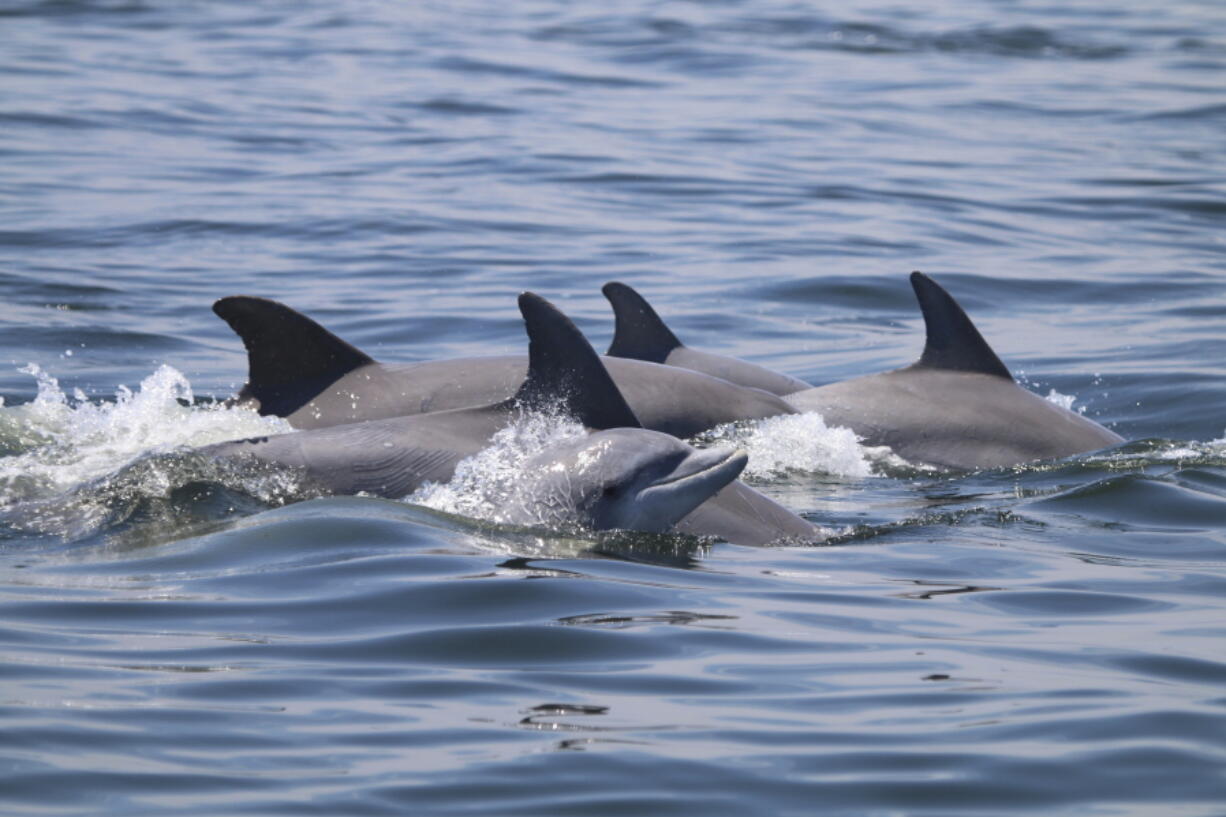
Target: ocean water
{"x":1043,"y":639}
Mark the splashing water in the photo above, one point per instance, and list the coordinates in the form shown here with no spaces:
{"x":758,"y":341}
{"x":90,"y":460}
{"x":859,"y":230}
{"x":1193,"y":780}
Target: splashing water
{"x":484,"y":483}
{"x":801,"y":443}
{"x":1064,"y":401}
{"x":57,"y":442}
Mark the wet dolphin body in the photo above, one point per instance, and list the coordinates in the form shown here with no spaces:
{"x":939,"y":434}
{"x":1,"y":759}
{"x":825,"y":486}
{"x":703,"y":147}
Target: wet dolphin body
{"x":957,"y":406}
{"x":620,"y":478}
{"x":301,"y":371}
{"x":640,"y":334}
{"x":391,"y":457}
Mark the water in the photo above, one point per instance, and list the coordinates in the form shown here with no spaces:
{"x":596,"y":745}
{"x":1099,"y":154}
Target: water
{"x":1045,"y":639}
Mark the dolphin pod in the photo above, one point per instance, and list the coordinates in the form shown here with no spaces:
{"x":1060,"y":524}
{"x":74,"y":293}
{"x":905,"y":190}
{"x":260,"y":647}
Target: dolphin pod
{"x":386,"y":428}
{"x":631,"y":476}
{"x":956,"y":407}
{"x":301,"y":371}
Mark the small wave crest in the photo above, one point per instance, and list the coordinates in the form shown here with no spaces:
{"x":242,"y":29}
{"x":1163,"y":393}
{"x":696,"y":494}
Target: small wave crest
{"x":1179,"y":452}
{"x":485,"y":483}
{"x":57,"y":441}
{"x":1138,"y":455}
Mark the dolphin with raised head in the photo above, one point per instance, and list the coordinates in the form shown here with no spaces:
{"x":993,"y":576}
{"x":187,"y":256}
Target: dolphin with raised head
{"x":620,"y":478}
{"x":640,"y":334}
{"x":392,"y":457}
{"x":957,"y":406}
{"x":301,"y":371}
{"x":636,"y":479}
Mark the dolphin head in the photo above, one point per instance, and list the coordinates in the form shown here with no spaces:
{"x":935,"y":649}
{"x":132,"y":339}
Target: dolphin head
{"x":623,"y":478}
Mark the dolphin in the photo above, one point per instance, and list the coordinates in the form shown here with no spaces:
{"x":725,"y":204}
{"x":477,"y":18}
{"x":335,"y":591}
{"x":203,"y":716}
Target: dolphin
{"x":958,"y":406}
{"x":620,"y":478}
{"x":392,"y":457}
{"x":640,"y":334}
{"x":302,"y":372}
{"x":636,"y":479}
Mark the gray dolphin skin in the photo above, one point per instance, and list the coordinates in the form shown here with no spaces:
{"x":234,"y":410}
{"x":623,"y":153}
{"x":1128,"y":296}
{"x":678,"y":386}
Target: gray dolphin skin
{"x":623,"y":479}
{"x":635,"y":479}
{"x":956,"y":407}
{"x":301,"y":371}
{"x":640,"y":334}
{"x":741,"y":515}
{"x":392,"y":457}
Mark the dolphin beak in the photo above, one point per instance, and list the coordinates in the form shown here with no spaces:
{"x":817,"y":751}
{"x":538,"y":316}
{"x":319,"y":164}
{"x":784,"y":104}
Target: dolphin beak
{"x":696,"y":479}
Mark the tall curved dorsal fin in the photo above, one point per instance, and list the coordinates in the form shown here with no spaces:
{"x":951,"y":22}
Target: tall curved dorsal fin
{"x":563,"y":366}
{"x":638,"y":331}
{"x":953,"y":342}
{"x":290,"y":358}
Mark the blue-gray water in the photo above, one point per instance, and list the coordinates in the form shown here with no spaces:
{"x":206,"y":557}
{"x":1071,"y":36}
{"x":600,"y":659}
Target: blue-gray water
{"x":1041,"y":640}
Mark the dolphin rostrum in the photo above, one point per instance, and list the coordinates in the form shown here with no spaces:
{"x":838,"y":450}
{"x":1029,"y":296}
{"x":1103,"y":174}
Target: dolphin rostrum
{"x":391,"y":457}
{"x":301,"y":371}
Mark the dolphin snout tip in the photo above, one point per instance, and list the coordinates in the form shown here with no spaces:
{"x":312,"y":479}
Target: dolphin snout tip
{"x":740,"y":458}
{"x":732,"y":459}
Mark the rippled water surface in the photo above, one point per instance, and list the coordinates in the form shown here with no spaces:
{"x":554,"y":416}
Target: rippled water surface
{"x":1045,"y":639}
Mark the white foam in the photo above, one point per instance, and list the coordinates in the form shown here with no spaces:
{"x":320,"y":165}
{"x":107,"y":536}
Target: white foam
{"x":1180,"y":453}
{"x":1187,"y":452}
{"x":1064,"y":401}
{"x":485,"y":482}
{"x":59,"y":442}
{"x":778,"y":446}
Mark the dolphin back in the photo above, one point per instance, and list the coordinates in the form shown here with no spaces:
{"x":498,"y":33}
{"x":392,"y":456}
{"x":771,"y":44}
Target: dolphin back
{"x":563,"y":367}
{"x":640,"y":334}
{"x":290,"y":358}
{"x":957,"y":406}
{"x":391,"y":457}
{"x":952,"y":343}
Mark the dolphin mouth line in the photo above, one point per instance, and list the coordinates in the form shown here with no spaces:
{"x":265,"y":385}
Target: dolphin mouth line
{"x":734,"y":461}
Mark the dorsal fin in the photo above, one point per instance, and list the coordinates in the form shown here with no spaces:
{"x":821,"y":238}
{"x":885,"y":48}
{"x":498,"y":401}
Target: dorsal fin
{"x":290,"y":358}
{"x":563,"y":366}
{"x":638,"y":331}
{"x":953,"y":342}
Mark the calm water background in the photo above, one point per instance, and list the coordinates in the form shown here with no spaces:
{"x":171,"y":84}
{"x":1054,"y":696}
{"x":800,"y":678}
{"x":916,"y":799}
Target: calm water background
{"x":1039,"y":640}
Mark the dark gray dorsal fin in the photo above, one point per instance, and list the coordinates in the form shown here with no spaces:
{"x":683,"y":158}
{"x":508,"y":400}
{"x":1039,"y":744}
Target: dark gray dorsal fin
{"x":290,"y":358}
{"x":638,"y":332}
{"x":563,"y":367}
{"x":953,"y":342}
